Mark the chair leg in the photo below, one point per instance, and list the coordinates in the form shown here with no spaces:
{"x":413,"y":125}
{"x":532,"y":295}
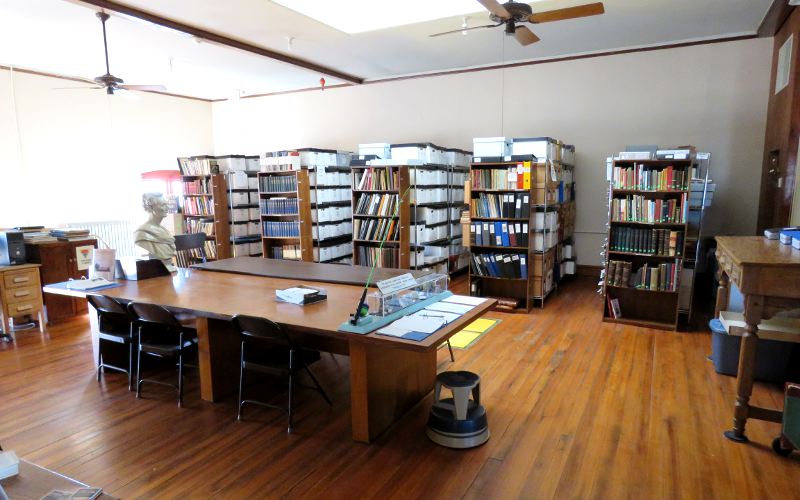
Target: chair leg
{"x":291,"y":387}
{"x":139,"y":365}
{"x":450,"y":347}
{"x":99,"y":362}
{"x":180,"y":378}
{"x":130,"y":365}
{"x":241,"y":383}
{"x":316,"y":382}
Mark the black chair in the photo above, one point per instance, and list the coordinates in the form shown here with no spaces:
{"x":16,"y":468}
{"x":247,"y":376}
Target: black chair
{"x":162,"y":335}
{"x":190,"y":249}
{"x":267,"y":348}
{"x":117,"y":326}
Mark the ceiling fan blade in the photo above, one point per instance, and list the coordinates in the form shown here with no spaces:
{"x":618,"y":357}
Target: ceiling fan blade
{"x":77,"y":88}
{"x":591,"y":9}
{"x":466,"y":29}
{"x":525,"y":36}
{"x":155,"y":88}
{"x":495,"y":8}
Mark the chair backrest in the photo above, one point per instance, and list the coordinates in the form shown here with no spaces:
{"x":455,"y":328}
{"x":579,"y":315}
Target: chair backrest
{"x":190,"y":248}
{"x":106,"y":305}
{"x":153,"y":314}
{"x":252,"y":327}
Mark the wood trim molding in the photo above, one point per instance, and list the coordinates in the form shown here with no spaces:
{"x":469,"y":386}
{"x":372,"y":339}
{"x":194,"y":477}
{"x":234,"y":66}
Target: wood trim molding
{"x":517,"y":64}
{"x":776,"y":15}
{"x":221,"y":39}
{"x":92,"y":82}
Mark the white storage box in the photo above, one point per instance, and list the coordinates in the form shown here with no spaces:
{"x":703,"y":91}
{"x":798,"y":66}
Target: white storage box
{"x":544,"y":148}
{"x":382,"y":150}
{"x":255,"y":249}
{"x":546,"y":220}
{"x":252,"y":163}
{"x":491,"y":146}
{"x":568,"y":154}
{"x":544,"y":241}
{"x":253,"y":228}
{"x":229,"y":163}
{"x":238,"y":180}
{"x":568,"y":251}
{"x":240,"y":199}
{"x":569,"y":267}
{"x":252,"y":183}
{"x":255,"y":214}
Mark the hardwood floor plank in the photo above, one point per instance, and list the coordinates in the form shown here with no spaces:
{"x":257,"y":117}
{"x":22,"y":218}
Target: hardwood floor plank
{"x":577,"y":408}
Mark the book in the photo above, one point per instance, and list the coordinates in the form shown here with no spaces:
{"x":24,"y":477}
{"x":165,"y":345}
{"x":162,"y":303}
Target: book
{"x":775,"y":232}
{"x":788,"y":234}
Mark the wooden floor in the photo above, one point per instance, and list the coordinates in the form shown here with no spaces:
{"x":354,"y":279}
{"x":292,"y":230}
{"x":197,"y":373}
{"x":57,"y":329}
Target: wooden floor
{"x":577,"y":409}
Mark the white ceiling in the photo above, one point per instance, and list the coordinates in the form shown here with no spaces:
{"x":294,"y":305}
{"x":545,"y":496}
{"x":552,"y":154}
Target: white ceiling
{"x":63,"y":37}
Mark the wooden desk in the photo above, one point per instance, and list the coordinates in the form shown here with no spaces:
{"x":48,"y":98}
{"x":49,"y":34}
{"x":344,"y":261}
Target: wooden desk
{"x":768,"y":275}
{"x":387,"y":375}
{"x":20,"y":294}
{"x":34,"y":482}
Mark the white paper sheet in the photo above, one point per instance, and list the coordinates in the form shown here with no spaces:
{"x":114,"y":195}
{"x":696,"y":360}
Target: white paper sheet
{"x":446,"y":316}
{"x":419,"y":323}
{"x":393,"y":331}
{"x":449,"y":307}
{"x":464,"y":299}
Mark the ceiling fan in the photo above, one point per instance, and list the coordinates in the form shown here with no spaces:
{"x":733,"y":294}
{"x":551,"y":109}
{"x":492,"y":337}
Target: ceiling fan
{"x":110,"y":82}
{"x":511,"y":13}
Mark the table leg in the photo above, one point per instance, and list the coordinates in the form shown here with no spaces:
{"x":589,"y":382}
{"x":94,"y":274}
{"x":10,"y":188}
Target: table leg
{"x":753,"y":309}
{"x":94,"y":327}
{"x":384,"y":384}
{"x":218,"y":358}
{"x":723,"y":293}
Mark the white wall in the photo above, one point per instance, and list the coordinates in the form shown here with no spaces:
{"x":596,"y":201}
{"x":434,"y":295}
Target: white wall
{"x":76,"y":155}
{"x":712,"y":96}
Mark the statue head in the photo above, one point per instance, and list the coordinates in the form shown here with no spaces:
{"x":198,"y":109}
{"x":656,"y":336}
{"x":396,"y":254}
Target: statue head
{"x":155,"y":204}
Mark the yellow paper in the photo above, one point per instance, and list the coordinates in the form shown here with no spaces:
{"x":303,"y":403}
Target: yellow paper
{"x":463,"y":338}
{"x":480,"y":325}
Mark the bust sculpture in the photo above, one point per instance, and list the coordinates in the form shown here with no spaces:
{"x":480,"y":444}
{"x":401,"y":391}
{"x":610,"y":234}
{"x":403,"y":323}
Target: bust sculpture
{"x":152,"y":236}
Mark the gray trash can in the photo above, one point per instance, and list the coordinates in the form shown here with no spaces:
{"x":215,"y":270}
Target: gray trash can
{"x":772,"y":357}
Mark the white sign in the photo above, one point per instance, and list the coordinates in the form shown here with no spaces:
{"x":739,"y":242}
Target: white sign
{"x":83,"y":257}
{"x":783,"y":70}
{"x":397,"y":283}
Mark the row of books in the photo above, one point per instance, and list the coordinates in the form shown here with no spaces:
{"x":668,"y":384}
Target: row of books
{"x":281,"y":228}
{"x":638,"y":208}
{"x":656,"y":277}
{"x":515,"y":177}
{"x":378,"y":179}
{"x":192,"y":256}
{"x":648,"y":179}
{"x":376,"y":229}
{"x":653,"y":241}
{"x":198,"y":206}
{"x":516,"y":205}
{"x":498,"y":265}
{"x":194,"y":226}
{"x":277,"y":183}
{"x":499,"y":234}
{"x":198,"y":186}
{"x":198,"y":165}
{"x":380,"y":257}
{"x":279,"y":206}
{"x":286,"y":252}
{"x":376,"y":204}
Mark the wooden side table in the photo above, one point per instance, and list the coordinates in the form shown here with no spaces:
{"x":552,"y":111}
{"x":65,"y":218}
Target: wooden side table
{"x":768,"y":275}
{"x":21,"y":294}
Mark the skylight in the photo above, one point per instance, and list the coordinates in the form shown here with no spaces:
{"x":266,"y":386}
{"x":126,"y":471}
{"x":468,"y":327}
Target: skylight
{"x":358,"y":16}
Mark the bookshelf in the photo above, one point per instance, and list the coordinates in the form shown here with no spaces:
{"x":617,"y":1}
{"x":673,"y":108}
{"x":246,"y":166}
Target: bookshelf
{"x":648,"y":206}
{"x":318,"y":200}
{"x":510,"y":258}
{"x":220,"y":198}
{"x":376,"y":192}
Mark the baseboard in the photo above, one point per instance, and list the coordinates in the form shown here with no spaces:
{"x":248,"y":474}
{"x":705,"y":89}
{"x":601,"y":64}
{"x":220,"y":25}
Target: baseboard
{"x":584,"y":271}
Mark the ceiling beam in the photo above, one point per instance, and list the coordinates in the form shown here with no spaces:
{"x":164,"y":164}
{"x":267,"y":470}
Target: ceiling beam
{"x":776,"y":15}
{"x":220,"y":39}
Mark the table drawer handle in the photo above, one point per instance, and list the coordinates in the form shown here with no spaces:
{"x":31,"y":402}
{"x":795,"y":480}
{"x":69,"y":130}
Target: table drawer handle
{"x":22,"y":279}
{"x":25,"y":308}
{"x":22,"y":294}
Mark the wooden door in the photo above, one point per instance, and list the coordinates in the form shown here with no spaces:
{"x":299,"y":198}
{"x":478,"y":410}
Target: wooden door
{"x":783,"y":124}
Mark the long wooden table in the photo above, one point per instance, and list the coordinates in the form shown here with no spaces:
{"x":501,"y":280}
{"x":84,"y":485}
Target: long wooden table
{"x":768,"y":275}
{"x":388,"y":375}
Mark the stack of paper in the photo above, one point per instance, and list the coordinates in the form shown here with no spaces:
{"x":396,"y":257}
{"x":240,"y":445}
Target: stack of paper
{"x":420,"y":324}
{"x":294,"y":295}
{"x":9,"y":464}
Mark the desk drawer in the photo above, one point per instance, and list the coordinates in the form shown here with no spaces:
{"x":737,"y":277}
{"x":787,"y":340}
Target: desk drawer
{"x":24,"y":307}
{"x":23,"y":293}
{"x":28,"y":277}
